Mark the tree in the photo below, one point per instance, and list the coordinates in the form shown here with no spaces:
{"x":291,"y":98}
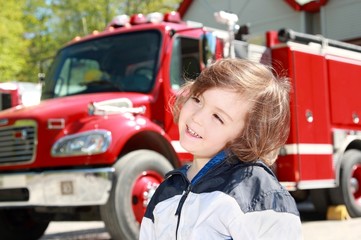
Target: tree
{"x":42,"y":44}
{"x":36,"y":29}
{"x":147,"y":6}
{"x":73,"y":18}
{"x":13,"y":45}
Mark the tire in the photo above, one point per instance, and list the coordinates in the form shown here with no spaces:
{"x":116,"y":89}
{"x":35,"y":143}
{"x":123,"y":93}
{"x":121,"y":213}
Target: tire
{"x":320,"y":199}
{"x":20,"y":223}
{"x":137,"y":175}
{"x":349,"y":190}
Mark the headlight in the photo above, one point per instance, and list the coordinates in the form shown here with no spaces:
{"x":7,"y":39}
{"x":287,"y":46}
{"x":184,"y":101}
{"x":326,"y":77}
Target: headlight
{"x":86,"y":143}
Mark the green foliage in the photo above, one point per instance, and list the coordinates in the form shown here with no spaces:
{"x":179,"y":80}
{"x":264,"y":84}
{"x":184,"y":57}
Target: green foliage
{"x":13,"y":46}
{"x":147,"y":6}
{"x":36,"y":29}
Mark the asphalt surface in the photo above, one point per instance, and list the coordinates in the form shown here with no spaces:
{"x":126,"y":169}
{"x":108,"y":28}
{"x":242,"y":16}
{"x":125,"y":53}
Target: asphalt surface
{"x":315,"y":227}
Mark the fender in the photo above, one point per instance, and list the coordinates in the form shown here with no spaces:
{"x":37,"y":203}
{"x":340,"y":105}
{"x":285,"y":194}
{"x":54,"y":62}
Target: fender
{"x":343,"y":143}
{"x":142,"y":133}
{"x":128,"y":132}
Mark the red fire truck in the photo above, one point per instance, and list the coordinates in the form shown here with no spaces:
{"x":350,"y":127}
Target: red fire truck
{"x":13,"y":94}
{"x":102,"y":138}
{"x":9,"y":95}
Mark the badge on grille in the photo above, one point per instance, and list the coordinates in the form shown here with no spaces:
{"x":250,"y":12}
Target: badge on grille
{"x":20,"y":134}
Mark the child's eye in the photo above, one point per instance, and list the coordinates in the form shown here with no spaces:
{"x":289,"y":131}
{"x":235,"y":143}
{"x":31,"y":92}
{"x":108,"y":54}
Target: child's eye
{"x":218,"y":118}
{"x":195,"y":99}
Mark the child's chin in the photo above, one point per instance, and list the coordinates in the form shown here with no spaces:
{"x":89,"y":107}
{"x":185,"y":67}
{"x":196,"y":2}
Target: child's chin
{"x":188,"y":147}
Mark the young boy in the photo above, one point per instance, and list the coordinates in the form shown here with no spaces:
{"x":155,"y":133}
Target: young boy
{"x":233,"y":118}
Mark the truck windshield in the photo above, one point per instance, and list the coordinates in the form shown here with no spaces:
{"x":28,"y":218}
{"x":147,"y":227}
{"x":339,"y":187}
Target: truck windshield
{"x":126,"y":62}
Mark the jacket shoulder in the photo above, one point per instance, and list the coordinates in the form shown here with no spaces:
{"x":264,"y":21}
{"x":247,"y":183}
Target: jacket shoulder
{"x":255,"y":188}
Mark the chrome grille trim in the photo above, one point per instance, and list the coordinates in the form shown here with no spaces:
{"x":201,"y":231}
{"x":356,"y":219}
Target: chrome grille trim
{"x":18,"y":142}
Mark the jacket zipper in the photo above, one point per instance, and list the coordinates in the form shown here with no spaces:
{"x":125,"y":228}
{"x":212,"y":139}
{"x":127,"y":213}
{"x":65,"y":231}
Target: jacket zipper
{"x":185,"y":195}
{"x":189,"y":188}
{"x":180,"y":206}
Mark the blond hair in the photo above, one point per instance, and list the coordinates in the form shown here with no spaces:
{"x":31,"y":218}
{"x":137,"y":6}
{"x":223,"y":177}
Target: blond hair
{"x":267,"y":122}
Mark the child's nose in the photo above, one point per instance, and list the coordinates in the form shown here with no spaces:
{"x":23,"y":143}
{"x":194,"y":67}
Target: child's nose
{"x":198,"y":116}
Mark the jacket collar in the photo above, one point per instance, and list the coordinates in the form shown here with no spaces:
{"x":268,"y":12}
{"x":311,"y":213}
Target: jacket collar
{"x":212,"y":163}
{"x":216,"y":160}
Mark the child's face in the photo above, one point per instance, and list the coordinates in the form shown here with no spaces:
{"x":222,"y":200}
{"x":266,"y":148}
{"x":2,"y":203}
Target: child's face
{"x":209,"y":121}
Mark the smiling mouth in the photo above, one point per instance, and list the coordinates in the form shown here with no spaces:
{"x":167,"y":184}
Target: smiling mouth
{"x":192,"y":133}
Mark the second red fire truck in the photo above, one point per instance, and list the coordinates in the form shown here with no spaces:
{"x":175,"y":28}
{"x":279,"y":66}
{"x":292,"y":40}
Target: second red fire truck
{"x":102,"y":138}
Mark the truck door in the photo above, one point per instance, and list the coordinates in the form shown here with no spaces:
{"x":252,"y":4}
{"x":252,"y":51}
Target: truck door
{"x":307,"y":156}
{"x":184,"y":64}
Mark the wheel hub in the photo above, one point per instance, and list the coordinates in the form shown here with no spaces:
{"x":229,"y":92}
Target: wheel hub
{"x":143,"y":190}
{"x":149,"y":192}
{"x":355,"y":183}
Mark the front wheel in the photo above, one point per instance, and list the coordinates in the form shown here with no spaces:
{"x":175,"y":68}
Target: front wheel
{"x":137,"y":175}
{"x":349,"y":190}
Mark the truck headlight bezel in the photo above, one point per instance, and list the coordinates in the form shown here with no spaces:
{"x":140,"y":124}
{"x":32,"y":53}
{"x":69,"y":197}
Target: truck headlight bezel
{"x":85,"y":143}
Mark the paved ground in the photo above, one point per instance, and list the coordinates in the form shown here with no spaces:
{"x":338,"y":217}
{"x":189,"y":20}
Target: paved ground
{"x":313,"y":230}
{"x":315,"y":227}
{"x":332,"y":230}
{"x":76,"y":231}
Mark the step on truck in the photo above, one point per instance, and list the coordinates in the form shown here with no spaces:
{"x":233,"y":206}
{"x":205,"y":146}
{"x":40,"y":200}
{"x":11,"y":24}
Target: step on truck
{"x":102,"y":138}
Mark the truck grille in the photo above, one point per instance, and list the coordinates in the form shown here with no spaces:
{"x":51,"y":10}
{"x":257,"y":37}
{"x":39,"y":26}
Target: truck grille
{"x":5,"y":101}
{"x":17,"y":143}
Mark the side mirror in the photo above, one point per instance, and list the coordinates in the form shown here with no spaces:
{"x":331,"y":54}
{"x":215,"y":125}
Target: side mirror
{"x":209,"y":46}
{"x":41,"y":77}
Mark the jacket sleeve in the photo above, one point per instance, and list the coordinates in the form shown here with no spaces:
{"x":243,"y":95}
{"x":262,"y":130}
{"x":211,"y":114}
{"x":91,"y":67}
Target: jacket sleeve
{"x":267,"y":224}
{"x":147,"y":231}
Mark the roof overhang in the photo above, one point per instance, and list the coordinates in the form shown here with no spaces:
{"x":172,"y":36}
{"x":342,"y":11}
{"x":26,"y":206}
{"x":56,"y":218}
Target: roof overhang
{"x":183,"y":6}
{"x":307,"y":5}
{"x":298,"y":5}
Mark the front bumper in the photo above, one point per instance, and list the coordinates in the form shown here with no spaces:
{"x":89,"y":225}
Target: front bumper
{"x":80,"y":187}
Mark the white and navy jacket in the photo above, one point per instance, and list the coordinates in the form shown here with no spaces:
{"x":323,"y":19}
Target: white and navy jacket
{"x":227,"y":199}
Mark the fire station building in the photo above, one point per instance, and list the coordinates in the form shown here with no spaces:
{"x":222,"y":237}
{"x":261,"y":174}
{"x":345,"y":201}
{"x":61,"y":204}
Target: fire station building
{"x":334,"y":19}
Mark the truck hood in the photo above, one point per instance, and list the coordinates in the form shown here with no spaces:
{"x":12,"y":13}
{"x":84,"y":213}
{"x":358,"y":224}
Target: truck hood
{"x":70,"y":106}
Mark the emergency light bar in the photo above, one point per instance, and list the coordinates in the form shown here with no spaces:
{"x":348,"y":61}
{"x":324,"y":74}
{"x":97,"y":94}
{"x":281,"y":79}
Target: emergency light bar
{"x":136,"y":19}
{"x":155,"y":17}
{"x":172,"y":17}
{"x":119,"y":21}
